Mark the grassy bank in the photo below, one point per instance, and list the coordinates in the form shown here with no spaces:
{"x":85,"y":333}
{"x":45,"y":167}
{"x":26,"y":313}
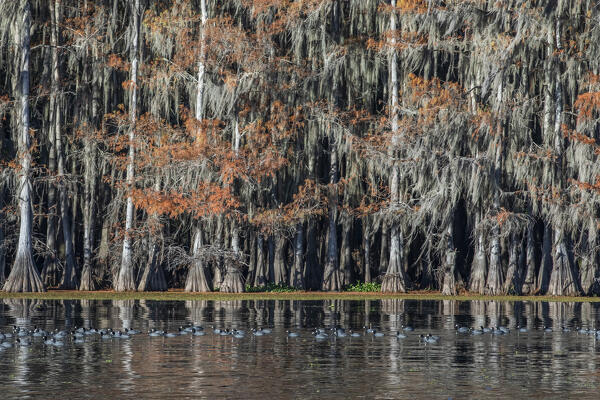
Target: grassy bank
{"x":298,"y":295}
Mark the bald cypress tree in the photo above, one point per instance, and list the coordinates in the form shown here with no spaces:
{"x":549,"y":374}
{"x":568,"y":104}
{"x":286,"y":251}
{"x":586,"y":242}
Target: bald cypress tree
{"x":24,"y":276}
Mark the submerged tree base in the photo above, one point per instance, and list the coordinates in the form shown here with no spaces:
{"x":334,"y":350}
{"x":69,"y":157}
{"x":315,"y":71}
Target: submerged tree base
{"x":23,"y":276}
{"x":197,"y":280}
{"x":233,"y":282}
{"x":393,"y":283}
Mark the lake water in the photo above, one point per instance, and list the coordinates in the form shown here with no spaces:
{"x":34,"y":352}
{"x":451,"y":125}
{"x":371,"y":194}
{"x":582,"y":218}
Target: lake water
{"x":535,"y":364}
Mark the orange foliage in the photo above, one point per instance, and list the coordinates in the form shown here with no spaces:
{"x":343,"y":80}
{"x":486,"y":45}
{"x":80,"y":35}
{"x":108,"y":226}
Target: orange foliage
{"x":586,"y":105}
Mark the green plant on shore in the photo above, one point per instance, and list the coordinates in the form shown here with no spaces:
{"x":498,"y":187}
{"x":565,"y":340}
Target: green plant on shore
{"x":364,"y":287}
{"x":270,"y":287}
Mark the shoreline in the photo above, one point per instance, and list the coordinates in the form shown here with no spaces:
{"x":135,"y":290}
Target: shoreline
{"x":180,"y":295}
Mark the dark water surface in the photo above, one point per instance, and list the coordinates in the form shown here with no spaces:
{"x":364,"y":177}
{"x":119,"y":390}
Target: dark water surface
{"x":535,"y":364}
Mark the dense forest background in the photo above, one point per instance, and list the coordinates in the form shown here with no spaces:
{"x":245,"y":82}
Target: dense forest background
{"x":203,"y":144}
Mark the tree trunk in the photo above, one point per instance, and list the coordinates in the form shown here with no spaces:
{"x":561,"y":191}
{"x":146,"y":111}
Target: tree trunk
{"x":296,"y":275}
{"x":449,"y":278}
{"x":366,"y":251}
{"x":50,"y":269}
{"x":89,"y":191}
{"x":479,"y":266}
{"x":543,"y":279}
{"x":495,"y":278}
{"x":197,"y":279}
{"x":562,"y":280}
{"x":384,"y":251}
{"x":332,"y":278}
{"x":271,"y":258}
{"x":24,"y":276}
{"x":233,"y":281}
{"x":281,"y":273}
{"x":590,"y":277}
{"x":528,"y":287}
{"x":346,"y":254}
{"x":69,"y":280}
{"x":312,"y":269}
{"x":218,"y":265}
{"x":260,"y":275}
{"x":125,"y":279}
{"x":513,"y":282}
{"x":395,"y":277}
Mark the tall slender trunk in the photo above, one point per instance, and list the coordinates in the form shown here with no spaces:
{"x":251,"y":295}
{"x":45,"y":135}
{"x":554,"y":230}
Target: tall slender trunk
{"x":50,"y":268}
{"x":233,"y":282}
{"x":528,"y":286}
{"x":262,"y":260}
{"x":70,"y":279}
{"x":218,"y":264}
{"x":197,"y":279}
{"x":495,"y":277}
{"x":346,"y":253}
{"x":395,"y":276}
{"x":514,"y":278}
{"x":332,"y":277}
{"x":449,"y":277}
{"x":281,"y":273}
{"x":479,"y":265}
{"x":384,"y":250}
{"x":313,"y":271}
{"x":543,"y":279}
{"x":94,"y":74}
{"x":125,"y":280}
{"x":562,"y":278}
{"x":366,"y":236}
{"x":87,"y":281}
{"x":296,"y":274}
{"x":24,"y":276}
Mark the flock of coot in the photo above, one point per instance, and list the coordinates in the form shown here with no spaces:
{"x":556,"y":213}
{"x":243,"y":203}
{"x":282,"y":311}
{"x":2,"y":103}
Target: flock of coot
{"x":21,"y":336}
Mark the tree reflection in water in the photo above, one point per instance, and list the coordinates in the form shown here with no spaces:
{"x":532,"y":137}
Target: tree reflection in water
{"x":535,"y":363}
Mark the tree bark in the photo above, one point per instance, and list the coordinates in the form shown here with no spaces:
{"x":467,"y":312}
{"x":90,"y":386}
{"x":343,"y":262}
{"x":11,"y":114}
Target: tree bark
{"x":312,"y":269}
{"x":366,"y":251}
{"x":529,"y":287}
{"x":346,"y":254}
{"x":24,"y":276}
{"x":90,"y":174}
{"x":479,"y":266}
{"x":543,"y":279}
{"x":50,"y":268}
{"x":197,"y":279}
{"x":281,"y":273}
{"x":296,"y":274}
{"x":395,"y":277}
{"x":513,"y":282}
{"x":70,"y":280}
{"x":449,"y":277}
{"x":332,"y":277}
{"x":125,"y":279}
{"x":262,"y":261}
{"x":233,"y":281}
{"x":562,"y":278}
{"x":218,"y":265}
